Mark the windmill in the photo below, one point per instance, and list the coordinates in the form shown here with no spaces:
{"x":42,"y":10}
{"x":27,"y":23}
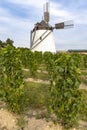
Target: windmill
{"x":41,"y":38}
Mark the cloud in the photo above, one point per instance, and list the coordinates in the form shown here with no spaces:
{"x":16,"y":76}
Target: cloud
{"x":18,"y":26}
{"x":14,"y":28}
{"x":58,"y":11}
{"x":33,"y":3}
{"x":73,"y":11}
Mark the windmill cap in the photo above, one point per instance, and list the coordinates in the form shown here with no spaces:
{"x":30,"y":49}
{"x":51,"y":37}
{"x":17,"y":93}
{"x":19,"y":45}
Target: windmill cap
{"x":42,"y":26}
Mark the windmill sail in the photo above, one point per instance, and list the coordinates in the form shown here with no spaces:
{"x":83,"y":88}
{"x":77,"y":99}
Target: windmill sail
{"x":59,"y":25}
{"x":66,"y":24}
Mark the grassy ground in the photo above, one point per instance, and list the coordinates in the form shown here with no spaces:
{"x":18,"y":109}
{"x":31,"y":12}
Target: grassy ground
{"x":43,"y":75}
{"x":37,"y":95}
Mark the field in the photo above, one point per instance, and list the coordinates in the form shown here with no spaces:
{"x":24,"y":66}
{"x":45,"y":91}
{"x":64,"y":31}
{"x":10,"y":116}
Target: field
{"x":33,"y":84}
{"x":38,"y":97}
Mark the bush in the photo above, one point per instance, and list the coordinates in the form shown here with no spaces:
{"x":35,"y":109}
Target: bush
{"x":65,"y":94}
{"x":11,"y":79}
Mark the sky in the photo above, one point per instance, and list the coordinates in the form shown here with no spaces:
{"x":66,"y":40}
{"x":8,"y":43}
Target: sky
{"x":18,"y":17}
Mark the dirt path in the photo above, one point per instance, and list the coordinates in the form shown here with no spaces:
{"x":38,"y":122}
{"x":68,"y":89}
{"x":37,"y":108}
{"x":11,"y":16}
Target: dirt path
{"x":37,"y":80}
{"x":7,"y":120}
{"x":83,"y":86}
{"x":41,"y":124}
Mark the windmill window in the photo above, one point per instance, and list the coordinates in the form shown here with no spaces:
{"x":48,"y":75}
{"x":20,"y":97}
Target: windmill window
{"x":40,"y":38}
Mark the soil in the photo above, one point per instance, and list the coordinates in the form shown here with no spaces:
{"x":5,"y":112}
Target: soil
{"x":28,"y":121}
{"x":83,"y":86}
{"x":9,"y":121}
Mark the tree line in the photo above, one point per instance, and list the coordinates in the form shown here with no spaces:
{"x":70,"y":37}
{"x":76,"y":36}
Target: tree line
{"x":5,"y":43}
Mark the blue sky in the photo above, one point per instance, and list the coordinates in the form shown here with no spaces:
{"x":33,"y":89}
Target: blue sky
{"x":17,"y":18}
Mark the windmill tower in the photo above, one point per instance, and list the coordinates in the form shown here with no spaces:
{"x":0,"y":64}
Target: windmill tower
{"x":41,"y":38}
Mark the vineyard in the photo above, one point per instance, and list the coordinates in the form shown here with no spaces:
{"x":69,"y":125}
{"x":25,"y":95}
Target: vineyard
{"x":53,"y":85}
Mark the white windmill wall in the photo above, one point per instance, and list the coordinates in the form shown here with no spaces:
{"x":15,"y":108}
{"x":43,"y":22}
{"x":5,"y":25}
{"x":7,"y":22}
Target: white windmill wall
{"x":45,"y":45}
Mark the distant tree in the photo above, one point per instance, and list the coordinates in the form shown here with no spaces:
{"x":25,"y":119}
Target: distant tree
{"x":9,"y":41}
{"x":1,"y":44}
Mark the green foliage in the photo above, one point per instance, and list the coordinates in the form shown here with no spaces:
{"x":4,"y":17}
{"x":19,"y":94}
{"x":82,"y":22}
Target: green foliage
{"x":65,"y":94}
{"x":39,"y":57}
{"x":83,"y":110}
{"x":77,"y":59}
{"x":85,"y":61}
{"x":48,"y":60}
{"x":64,"y":97}
{"x":28,"y":60}
{"x":21,"y":122}
{"x":11,"y":79}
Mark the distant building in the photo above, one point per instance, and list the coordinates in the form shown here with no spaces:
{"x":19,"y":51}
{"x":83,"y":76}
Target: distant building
{"x":80,"y":51}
